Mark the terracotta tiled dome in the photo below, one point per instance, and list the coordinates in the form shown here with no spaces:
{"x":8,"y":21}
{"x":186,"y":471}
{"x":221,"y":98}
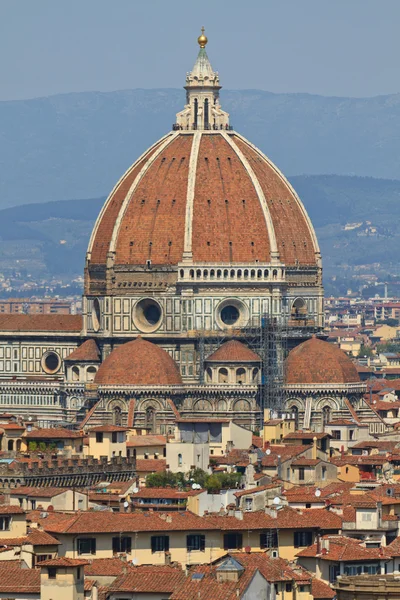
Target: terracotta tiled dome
{"x":138,"y":363}
{"x":234,"y":351}
{"x":316,"y":361}
{"x":210,"y":195}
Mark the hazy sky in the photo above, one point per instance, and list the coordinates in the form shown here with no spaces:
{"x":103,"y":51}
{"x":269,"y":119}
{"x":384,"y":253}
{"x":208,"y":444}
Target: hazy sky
{"x":329,"y":47}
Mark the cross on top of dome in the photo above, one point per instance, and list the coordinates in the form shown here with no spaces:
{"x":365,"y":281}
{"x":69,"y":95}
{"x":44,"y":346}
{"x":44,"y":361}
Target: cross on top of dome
{"x":202,"y":109}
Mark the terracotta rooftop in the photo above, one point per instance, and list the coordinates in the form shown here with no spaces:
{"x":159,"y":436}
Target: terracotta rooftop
{"x":143,"y":441}
{"x":6,"y":509}
{"x":107,"y":429}
{"x":343,"y":549}
{"x":86,"y":352}
{"x":53,"y":433}
{"x":150,"y":465}
{"x":149,"y":579}
{"x":52,"y":323}
{"x":233,"y":351}
{"x":63,"y":561}
{"x":255,"y":490}
{"x":321,"y":590}
{"x":318,"y":362}
{"x":154,"y":214}
{"x":138,"y":362}
{"x":16,"y":580}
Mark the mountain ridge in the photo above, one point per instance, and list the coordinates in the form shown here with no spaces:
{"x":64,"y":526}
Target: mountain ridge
{"x":79,"y":144}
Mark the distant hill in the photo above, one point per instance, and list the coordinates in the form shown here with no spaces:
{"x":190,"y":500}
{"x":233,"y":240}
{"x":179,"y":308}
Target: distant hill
{"x":356,"y":219}
{"x":78,"y":145}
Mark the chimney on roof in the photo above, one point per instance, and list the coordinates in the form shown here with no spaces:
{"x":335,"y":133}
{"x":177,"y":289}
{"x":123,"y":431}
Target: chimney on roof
{"x":324,"y":545}
{"x":314,"y":448}
{"x":239,"y":515}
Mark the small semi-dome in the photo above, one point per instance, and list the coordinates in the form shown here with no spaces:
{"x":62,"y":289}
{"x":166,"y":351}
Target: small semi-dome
{"x":138,"y":363}
{"x":233,"y":351}
{"x":319,"y":362}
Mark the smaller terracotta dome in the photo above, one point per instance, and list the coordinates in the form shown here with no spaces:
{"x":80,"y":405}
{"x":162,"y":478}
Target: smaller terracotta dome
{"x":233,"y":351}
{"x":319,"y":362}
{"x":86,"y":352}
{"x":138,"y":363}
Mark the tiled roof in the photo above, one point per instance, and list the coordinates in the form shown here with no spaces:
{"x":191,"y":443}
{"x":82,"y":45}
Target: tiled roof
{"x":233,"y":351}
{"x":107,"y":429}
{"x":142,"y":441}
{"x":321,"y":590}
{"x":150,"y":465}
{"x":257,"y":441}
{"x":206,"y":587}
{"x":149,"y":579}
{"x":36,"y":537}
{"x":16,"y":580}
{"x":343,"y":549}
{"x":285,"y":452}
{"x":315,"y":361}
{"x":53,"y":433}
{"x":255,"y":490}
{"x":305,"y":435}
{"x":102,"y":522}
{"x":149,"y":218}
{"x":86,"y":352}
{"x":88,"y":415}
{"x":131,"y":412}
{"x":11,"y":427}
{"x":63,"y":561}
{"x":53,"y":323}
{"x":106,"y":567}
{"x":6,"y":509}
{"x":138,"y":362}
{"x":286,"y":518}
{"x":37,"y":492}
{"x":305,"y":462}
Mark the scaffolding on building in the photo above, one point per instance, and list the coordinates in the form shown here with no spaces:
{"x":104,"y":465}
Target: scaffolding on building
{"x":270,"y":337}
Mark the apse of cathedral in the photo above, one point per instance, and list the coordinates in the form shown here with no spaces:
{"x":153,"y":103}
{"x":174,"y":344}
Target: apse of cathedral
{"x":200,"y":243}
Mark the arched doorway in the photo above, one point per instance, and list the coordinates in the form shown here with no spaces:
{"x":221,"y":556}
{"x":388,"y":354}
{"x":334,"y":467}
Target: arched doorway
{"x":10,"y":445}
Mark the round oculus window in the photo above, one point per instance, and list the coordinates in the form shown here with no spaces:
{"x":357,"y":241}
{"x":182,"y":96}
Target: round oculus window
{"x":230,"y":314}
{"x":51,"y":362}
{"x":147,"y":315}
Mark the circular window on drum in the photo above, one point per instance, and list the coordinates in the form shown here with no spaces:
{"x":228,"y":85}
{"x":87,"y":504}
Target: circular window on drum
{"x":147,"y":315}
{"x":96,"y":315}
{"x":51,"y":362}
{"x":231,"y":313}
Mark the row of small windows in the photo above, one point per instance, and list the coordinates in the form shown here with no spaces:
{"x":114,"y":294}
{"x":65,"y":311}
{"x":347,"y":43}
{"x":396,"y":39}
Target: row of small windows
{"x":252,"y":274}
{"x":28,"y":400}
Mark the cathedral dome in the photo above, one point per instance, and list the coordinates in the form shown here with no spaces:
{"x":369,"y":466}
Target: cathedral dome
{"x":138,"y":363}
{"x":206,"y":196}
{"x":318,"y":362}
{"x":202,"y":194}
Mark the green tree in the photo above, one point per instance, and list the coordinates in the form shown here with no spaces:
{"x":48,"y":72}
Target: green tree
{"x":42,"y":446}
{"x":365,"y":351}
{"x":32,"y":446}
{"x":199,"y":476}
{"x":213,"y":484}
